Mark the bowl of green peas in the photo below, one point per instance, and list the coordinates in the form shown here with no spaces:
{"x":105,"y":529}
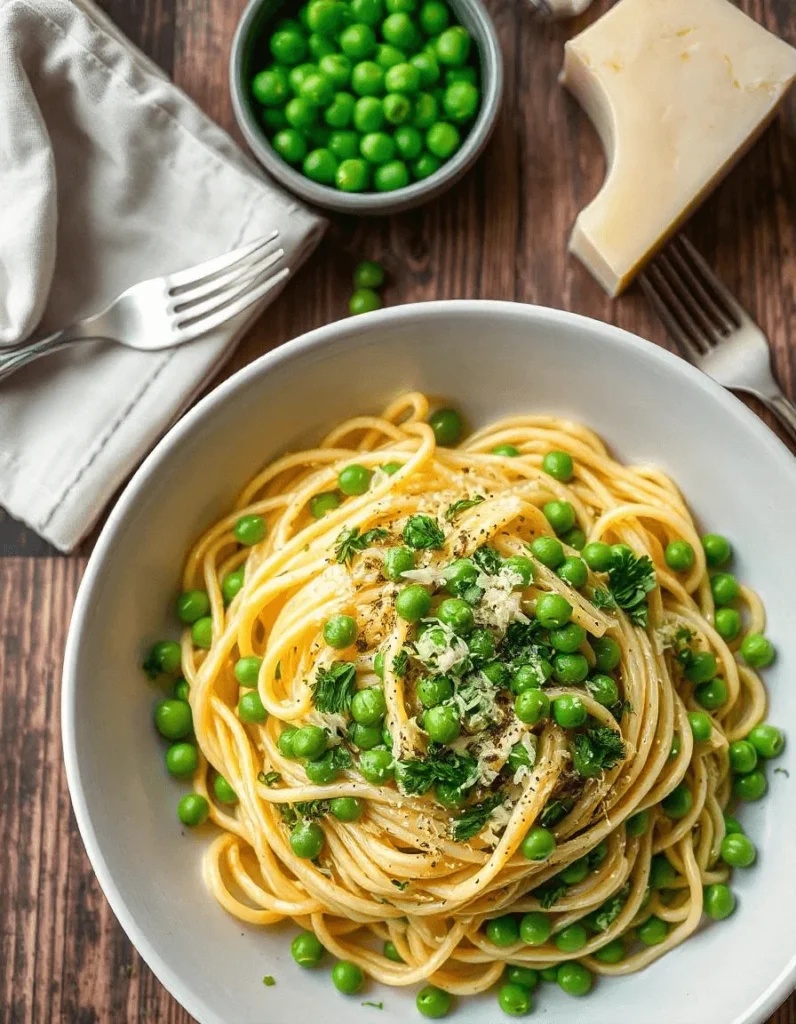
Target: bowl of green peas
{"x":366,"y":106}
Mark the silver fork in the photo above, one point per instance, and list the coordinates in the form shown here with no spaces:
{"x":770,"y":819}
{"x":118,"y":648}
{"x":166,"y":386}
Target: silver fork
{"x":168,"y":311}
{"x":711,"y":328}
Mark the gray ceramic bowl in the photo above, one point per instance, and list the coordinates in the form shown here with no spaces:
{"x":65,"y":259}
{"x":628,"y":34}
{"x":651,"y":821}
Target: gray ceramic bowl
{"x":246,"y":60}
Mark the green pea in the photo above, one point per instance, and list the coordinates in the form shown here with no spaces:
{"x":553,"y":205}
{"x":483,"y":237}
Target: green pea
{"x":413,"y":603}
{"x":598,"y":556}
{"x":400,"y":30}
{"x":460,"y":576}
{"x":391,"y":468}
{"x":675,"y":750}
{"x":607,"y":653}
{"x":309,"y":742}
{"x":193,"y":810}
{"x":717,"y":550}
{"x":447,"y":426}
{"x":457,"y":614}
{"x":450,"y":795}
{"x":560,"y":515}
{"x":574,"y":572}
{"x":225,"y":794}
{"x":548,"y":551}
{"x":503,"y":931}
{"x":575,"y":538}
{"x":247,"y":670}
{"x":325,"y":17}
{"x":320,"y":47}
{"x":638,"y":824}
{"x":535,"y":927}
{"x":358,"y":41}
{"x":164,"y":657}
{"x":538,"y":844}
{"x":604,"y":689}
{"x":679,"y":802}
{"x":515,"y":1000}
{"x":751,"y":787}
{"x":712,"y":695}
{"x":532,"y":706}
{"x":192,"y":605}
{"x":306,"y":949}
{"x":574,"y":874}
{"x":285,"y":742}
{"x":433,"y":1002}
{"x":297,"y":74}
{"x":574,"y":979}
{"x":368,"y":706}
{"x":567,"y":639}
{"x":460,"y":102}
{"x":173,"y":718}
{"x":271,"y":87}
{"x":570,"y":669}
{"x":767,"y":740}
{"x":273,"y":119}
{"x":522,"y":566}
{"x":482,"y":645}
{"x":571,"y":939}
{"x":181,"y":690}
{"x":352,"y":176}
{"x":725,"y":587}
{"x":662,"y":874}
{"x":354,"y":479}
{"x":368,"y":12}
{"x":718,"y":901}
{"x":738,"y":851}
{"x":743,"y":757}
{"x":251,"y":708}
{"x":343,"y":145}
{"x":391,"y":176}
{"x":425,"y":114}
{"x":442,"y":724}
{"x":326,"y":501}
{"x":378,"y":664}
{"x":701,"y":726}
{"x":442,"y":139}
{"x":427,"y":67}
{"x":611,"y":953}
{"x":341,"y":111}
{"x":498,"y":674}
{"x":346,"y":808}
{"x":300,"y":114}
{"x":364,"y":301}
{"x":323,"y":770}
{"x":376,"y":766}
{"x":728,"y":623}
{"x":181,"y":759}
{"x":732,"y":826}
{"x":557,"y":464}
{"x":288,"y":46}
{"x":453,"y":46}
{"x":340,"y":631}
{"x":405,"y":6}
{"x":569,"y":711}
{"x":387,"y":56}
{"x":425,"y":166}
{"x":653,"y":931}
{"x":307,"y":839}
{"x":508,"y":451}
{"x":408,"y":140}
{"x":620,"y":551}
{"x":553,"y":610}
{"x":337,"y":68}
{"x":366,"y":737}
{"x":391,"y":952}
{"x":516,"y":974}
{"x":290,"y":145}
{"x":756,"y":650}
{"x":367,"y":78}
{"x":403,"y":78}
{"x":679,"y":555}
{"x":434,"y":691}
{"x":202,"y":632}
{"x":434,"y":17}
{"x":397,"y":561}
{"x":232,"y":584}
{"x":320,"y":166}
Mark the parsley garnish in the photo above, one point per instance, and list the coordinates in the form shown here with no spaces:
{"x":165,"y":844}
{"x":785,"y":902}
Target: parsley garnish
{"x":488,"y":560}
{"x":523,"y":644}
{"x":630,"y":579}
{"x":306,"y":809}
{"x":269,"y":980}
{"x":339,"y":758}
{"x":400,"y":662}
{"x":473,"y":820}
{"x":269,"y":778}
{"x":621,"y":708}
{"x":334,"y":687}
{"x":423,"y":532}
{"x":461,"y":506}
{"x":550,"y":892}
{"x":605,"y":915}
{"x":519,"y":757}
{"x":376,"y":1006}
{"x":596,"y":751}
{"x":416,"y":777}
{"x":555,"y":811}
{"x":400,"y":885}
{"x":349,"y":542}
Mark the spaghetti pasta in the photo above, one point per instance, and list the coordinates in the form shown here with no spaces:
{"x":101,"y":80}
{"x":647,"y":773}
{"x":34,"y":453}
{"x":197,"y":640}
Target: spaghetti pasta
{"x":449,"y":729}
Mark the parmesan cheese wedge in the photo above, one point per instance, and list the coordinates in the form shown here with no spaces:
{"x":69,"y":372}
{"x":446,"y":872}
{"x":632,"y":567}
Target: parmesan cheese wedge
{"x":678,"y":90}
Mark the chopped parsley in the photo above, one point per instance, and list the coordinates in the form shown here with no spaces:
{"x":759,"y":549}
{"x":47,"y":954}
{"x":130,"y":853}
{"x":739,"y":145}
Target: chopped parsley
{"x":555,"y":811}
{"x":423,"y":532}
{"x":417,"y":776}
{"x":376,"y":1006}
{"x":349,"y":542}
{"x":630,"y":579}
{"x":333,"y":688}
{"x":472,"y":821}
{"x":400,"y":662}
{"x":461,"y":506}
{"x":550,"y":892}
{"x":308,"y":810}
{"x":519,"y":757}
{"x":400,"y":885}
{"x":488,"y":560}
{"x":269,"y":778}
{"x":605,"y":915}
{"x":269,"y":980}
{"x":524,"y":644}
{"x":596,"y":751}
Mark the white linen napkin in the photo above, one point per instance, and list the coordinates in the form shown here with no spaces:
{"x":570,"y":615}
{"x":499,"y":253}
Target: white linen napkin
{"x":109,"y":175}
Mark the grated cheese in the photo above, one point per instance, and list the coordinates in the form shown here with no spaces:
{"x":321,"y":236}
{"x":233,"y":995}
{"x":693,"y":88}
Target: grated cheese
{"x":501,"y":600}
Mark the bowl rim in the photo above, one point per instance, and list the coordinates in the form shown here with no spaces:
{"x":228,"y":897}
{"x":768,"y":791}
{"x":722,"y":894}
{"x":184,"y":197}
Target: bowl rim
{"x":319,"y":339}
{"x":375,"y":203}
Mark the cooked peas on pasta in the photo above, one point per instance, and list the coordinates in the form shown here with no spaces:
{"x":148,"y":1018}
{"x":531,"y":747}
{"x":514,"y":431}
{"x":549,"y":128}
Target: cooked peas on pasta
{"x":458,"y":751}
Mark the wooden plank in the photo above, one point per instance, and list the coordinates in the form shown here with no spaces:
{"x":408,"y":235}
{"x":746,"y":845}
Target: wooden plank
{"x":500,"y":233}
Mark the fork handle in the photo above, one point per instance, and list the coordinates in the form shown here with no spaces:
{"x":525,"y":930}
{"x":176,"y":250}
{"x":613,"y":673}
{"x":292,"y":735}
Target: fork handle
{"x":784,"y":410}
{"x":12,"y":360}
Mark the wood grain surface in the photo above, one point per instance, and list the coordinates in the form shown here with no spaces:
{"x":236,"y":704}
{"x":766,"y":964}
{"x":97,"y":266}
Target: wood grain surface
{"x":500,"y":234}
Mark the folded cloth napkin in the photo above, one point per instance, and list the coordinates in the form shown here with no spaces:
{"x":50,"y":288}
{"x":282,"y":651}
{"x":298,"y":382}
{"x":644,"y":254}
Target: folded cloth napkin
{"x":109,"y":175}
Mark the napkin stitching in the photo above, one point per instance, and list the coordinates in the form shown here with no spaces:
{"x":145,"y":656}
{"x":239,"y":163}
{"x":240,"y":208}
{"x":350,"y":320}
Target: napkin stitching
{"x":104,"y":439}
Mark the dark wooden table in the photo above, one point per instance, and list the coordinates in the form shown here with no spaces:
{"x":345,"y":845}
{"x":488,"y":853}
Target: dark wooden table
{"x":500,"y":234}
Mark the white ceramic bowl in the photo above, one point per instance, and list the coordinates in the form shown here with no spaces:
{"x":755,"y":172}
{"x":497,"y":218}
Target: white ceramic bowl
{"x":491,"y":358}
